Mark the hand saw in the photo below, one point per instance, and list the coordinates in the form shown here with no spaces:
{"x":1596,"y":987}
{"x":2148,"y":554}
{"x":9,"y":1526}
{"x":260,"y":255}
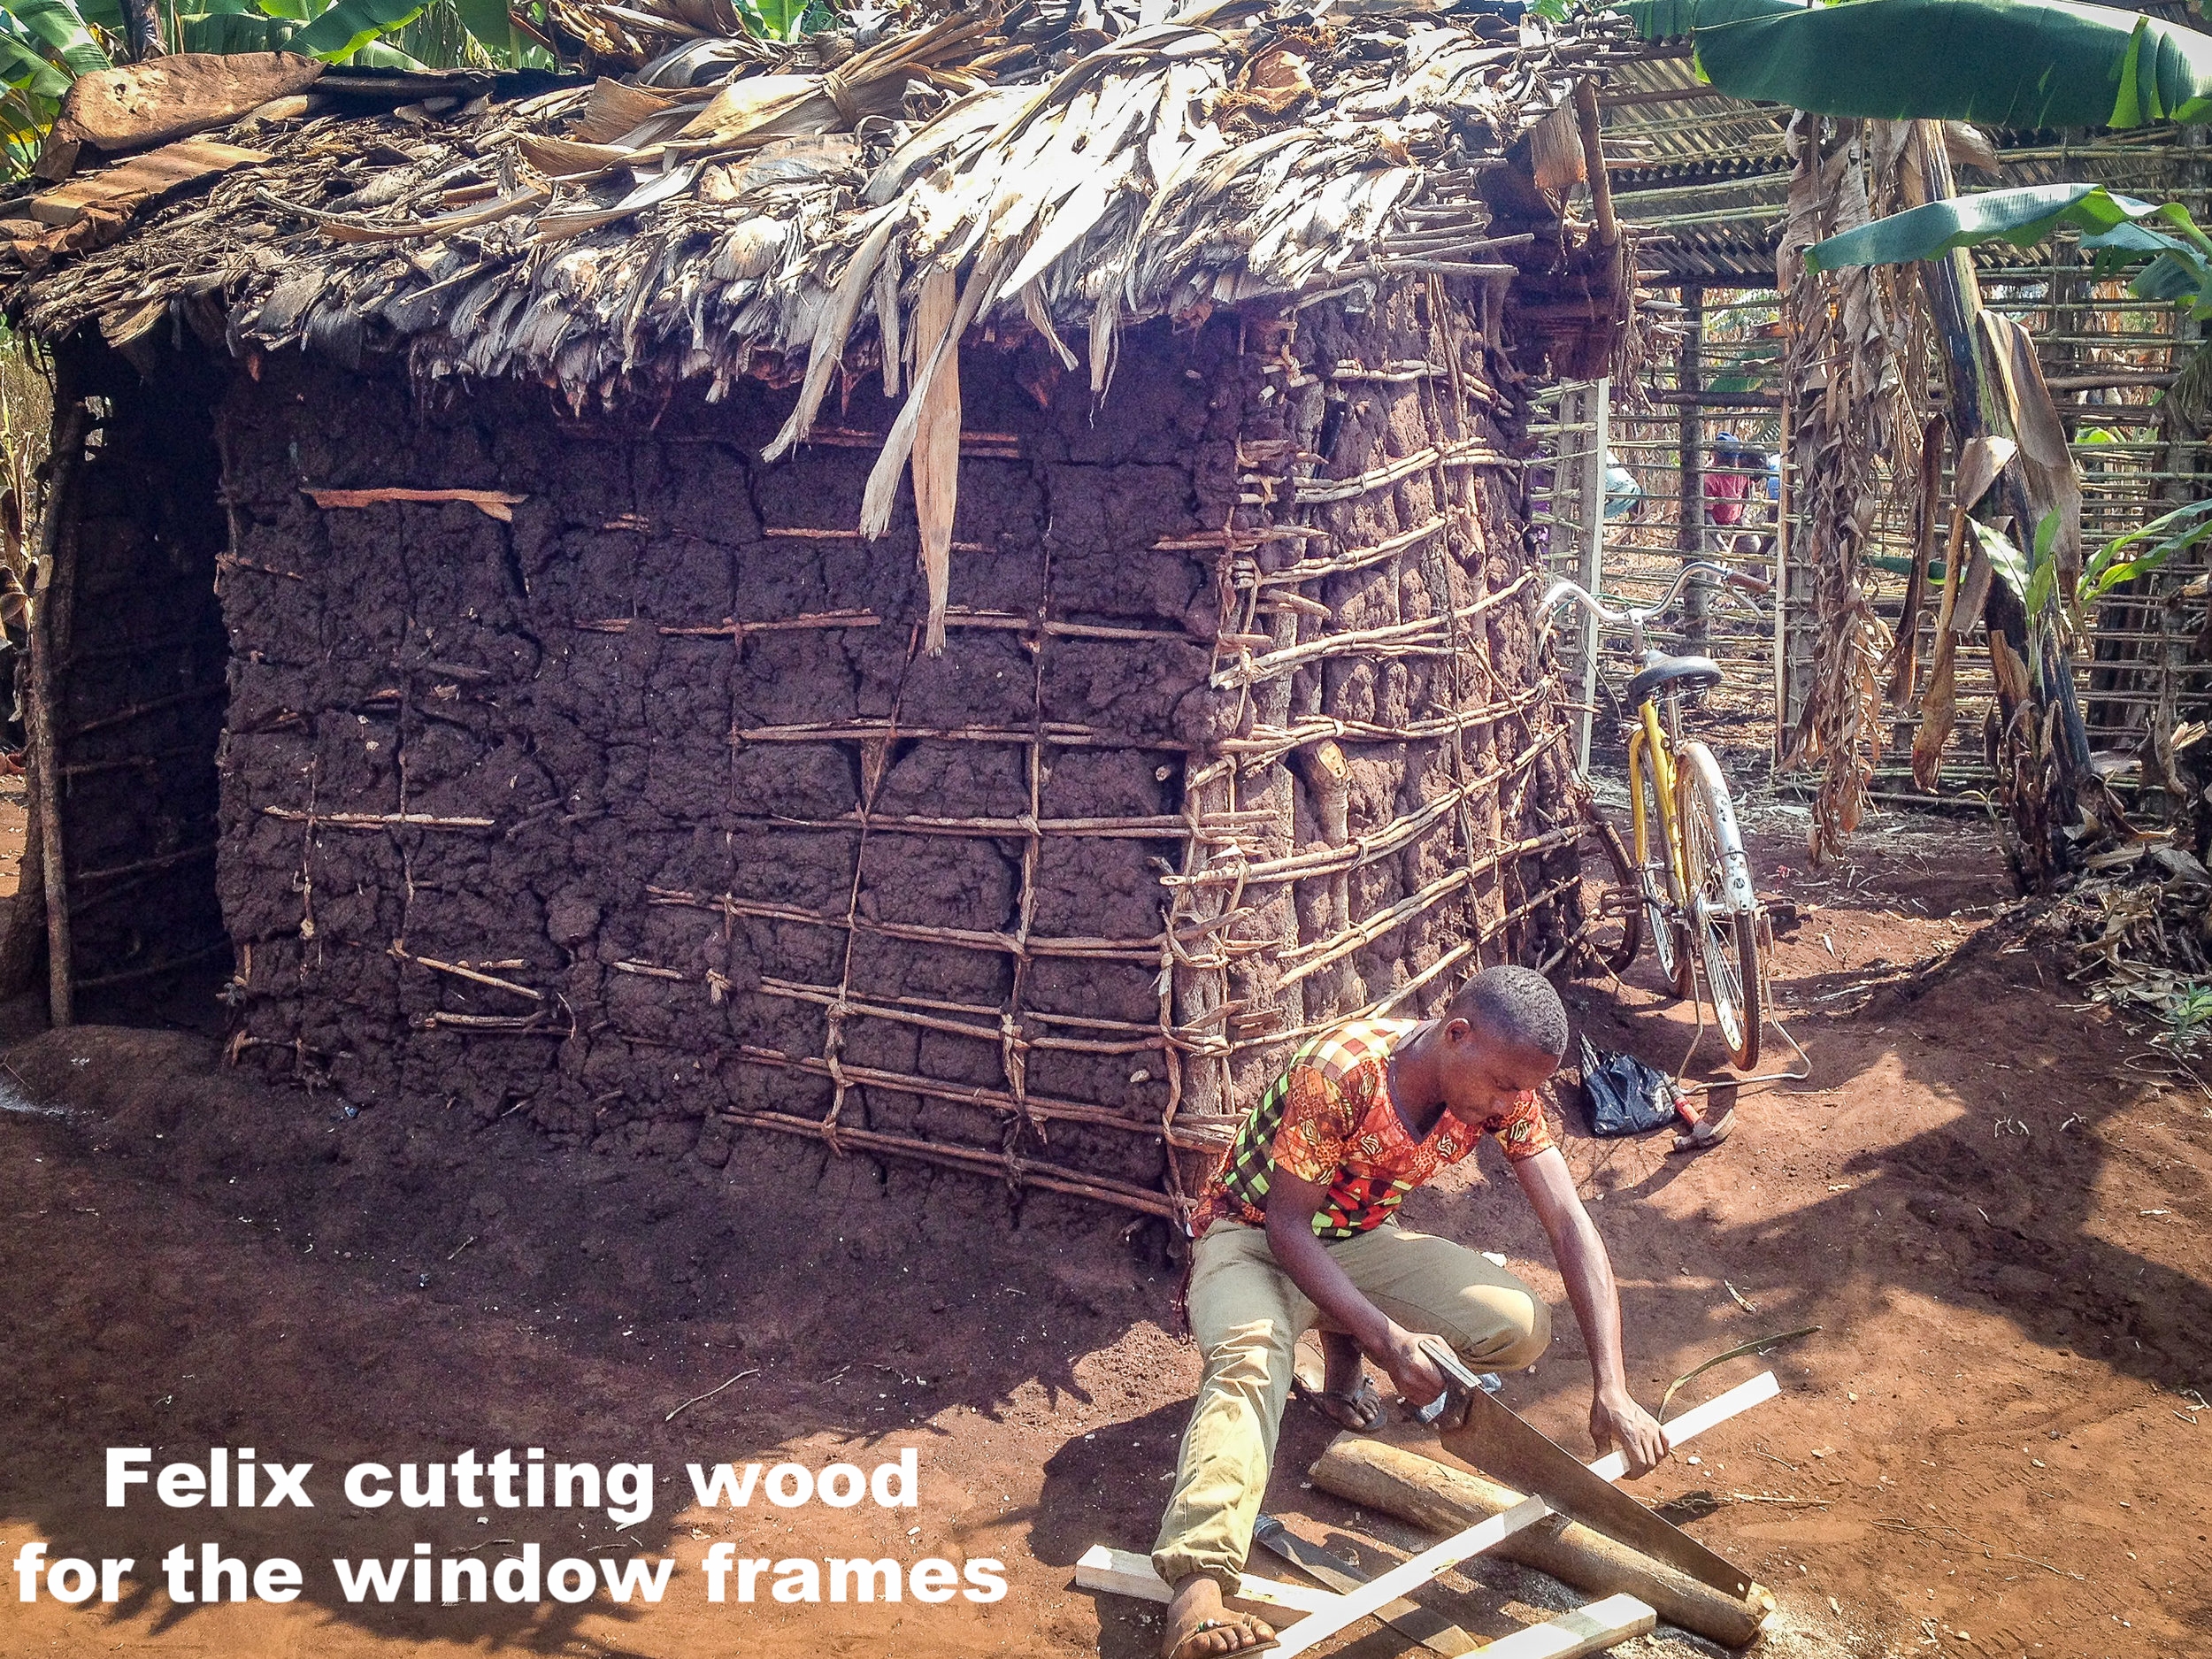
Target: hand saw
{"x":1494,"y":1439}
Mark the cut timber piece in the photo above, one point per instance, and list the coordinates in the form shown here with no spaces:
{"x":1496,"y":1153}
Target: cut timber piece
{"x":1697,"y":1419}
{"x":120,"y":191}
{"x":140,"y":105}
{"x":1588,"y":1630}
{"x":1433,"y":1630}
{"x":1428,"y":1493}
{"x":1125,"y":1572}
{"x":1315,"y":1628}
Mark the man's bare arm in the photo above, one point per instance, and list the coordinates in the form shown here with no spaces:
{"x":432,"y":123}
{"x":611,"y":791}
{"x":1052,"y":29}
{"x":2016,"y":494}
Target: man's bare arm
{"x":1616,"y":1419}
{"x":1291,"y":1207}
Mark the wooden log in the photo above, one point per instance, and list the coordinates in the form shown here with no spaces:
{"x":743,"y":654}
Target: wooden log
{"x":1431,"y":1494}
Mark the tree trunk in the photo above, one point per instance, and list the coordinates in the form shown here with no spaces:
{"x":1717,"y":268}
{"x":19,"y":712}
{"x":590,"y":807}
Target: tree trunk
{"x":2041,"y":807}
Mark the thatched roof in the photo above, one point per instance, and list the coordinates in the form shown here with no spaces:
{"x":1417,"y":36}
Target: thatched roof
{"x":1026,"y":170}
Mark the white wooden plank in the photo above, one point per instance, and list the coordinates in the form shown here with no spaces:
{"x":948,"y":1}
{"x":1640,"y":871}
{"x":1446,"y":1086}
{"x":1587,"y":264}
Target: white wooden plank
{"x":1695,"y":1421}
{"x":1588,"y":1630}
{"x":1125,"y":1572}
{"x":1376,"y":1592}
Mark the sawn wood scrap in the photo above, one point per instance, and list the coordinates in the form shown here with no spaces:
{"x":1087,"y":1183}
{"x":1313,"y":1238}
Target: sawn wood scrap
{"x":494,"y":503}
{"x":138,"y":106}
{"x":123,"y":190}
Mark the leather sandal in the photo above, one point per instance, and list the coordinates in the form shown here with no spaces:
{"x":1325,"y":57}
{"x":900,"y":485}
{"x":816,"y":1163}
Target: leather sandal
{"x":1358,"y":1409}
{"x":1235,"y":1621}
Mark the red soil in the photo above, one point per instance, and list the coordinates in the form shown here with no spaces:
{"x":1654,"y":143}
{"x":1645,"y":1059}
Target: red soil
{"x":1987,"y":1446}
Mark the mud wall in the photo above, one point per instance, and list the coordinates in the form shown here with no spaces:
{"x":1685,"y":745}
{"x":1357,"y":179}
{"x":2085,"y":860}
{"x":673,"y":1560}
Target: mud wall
{"x":635,"y":804}
{"x":140,"y":679}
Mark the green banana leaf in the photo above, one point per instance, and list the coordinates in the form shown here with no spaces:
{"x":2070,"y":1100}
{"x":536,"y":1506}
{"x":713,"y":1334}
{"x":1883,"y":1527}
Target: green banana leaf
{"x":774,"y":19}
{"x":28,"y":72}
{"x":1675,"y":19}
{"x":2119,"y":231}
{"x":234,"y":32}
{"x":2118,"y":561}
{"x":352,"y":25}
{"x":2007,"y":63}
{"x":2009,"y":561}
{"x":2022,"y":217}
{"x":487,"y":21}
{"x":58,"y":25}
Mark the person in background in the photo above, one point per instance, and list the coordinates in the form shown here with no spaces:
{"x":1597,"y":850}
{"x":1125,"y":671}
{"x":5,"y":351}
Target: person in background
{"x":1728,"y":481}
{"x":1623,"y":496}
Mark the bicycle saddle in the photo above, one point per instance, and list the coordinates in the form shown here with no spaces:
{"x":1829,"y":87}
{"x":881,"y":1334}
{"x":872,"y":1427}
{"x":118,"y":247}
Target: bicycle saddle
{"x":1661,"y":672}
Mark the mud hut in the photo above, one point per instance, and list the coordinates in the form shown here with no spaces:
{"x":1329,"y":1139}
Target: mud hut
{"x":488,"y":618}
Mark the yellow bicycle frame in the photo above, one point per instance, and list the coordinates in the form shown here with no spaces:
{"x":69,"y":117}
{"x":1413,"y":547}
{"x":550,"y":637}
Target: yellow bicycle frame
{"x":1647,"y":742}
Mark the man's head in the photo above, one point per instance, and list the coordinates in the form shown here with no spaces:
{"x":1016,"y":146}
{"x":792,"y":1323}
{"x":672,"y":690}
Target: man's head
{"x":1504,"y":1034}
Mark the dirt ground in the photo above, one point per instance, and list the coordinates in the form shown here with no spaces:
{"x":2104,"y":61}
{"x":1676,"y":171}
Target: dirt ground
{"x":1990,"y":1196}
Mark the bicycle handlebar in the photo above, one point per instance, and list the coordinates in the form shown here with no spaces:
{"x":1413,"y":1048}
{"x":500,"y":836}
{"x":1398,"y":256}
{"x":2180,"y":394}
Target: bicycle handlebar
{"x":1633,"y":616}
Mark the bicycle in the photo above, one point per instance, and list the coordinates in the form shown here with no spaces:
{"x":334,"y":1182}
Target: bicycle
{"x":1688,"y":883}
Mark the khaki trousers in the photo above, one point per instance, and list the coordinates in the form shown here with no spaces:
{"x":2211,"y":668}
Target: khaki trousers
{"x":1247,"y":1316}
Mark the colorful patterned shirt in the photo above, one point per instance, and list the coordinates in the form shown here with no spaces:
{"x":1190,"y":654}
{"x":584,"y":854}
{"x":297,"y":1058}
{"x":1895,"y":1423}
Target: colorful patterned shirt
{"x":1330,"y":1117}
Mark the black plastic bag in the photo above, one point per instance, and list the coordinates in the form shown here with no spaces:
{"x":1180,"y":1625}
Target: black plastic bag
{"x":1627,"y":1097}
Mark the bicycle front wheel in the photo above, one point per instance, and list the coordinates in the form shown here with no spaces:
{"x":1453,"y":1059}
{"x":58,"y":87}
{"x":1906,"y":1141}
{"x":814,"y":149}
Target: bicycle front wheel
{"x":1724,"y":925}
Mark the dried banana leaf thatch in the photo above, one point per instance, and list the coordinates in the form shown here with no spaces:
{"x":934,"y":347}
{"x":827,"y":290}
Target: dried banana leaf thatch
{"x":861,"y":200}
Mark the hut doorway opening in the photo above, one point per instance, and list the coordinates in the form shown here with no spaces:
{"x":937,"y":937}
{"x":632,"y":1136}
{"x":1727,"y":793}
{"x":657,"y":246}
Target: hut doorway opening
{"x":140,"y":677}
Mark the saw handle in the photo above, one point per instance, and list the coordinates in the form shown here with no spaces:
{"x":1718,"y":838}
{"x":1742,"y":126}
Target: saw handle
{"x":1448,"y":1410}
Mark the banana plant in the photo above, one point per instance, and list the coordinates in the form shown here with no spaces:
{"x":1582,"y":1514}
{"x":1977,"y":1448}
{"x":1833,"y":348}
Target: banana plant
{"x":2005,"y":63}
{"x":2142,"y":550}
{"x":2117,"y":231}
{"x":45,"y":45}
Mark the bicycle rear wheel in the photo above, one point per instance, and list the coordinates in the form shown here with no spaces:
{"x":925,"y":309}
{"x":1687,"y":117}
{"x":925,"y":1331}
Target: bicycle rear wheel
{"x":1611,"y":904}
{"x":1723,"y":925}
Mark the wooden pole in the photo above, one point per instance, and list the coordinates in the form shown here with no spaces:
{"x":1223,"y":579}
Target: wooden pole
{"x":1443,"y":1499}
{"x":1607,"y":226}
{"x":1783,"y":546}
{"x":57,"y":547}
{"x":1690,"y":443}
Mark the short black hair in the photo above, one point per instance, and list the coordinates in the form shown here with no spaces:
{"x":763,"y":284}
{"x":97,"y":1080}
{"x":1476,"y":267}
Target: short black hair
{"x":1518,"y":1005}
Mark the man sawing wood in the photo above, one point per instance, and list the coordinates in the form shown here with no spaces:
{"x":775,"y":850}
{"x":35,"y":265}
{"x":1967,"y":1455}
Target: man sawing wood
{"x":1298,"y":1229}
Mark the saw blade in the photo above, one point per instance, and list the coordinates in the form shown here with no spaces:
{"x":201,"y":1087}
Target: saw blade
{"x":1495,"y":1440}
